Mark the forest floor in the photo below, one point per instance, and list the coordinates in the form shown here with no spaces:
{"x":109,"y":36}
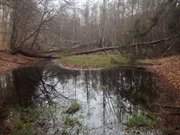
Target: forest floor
{"x":9,"y":62}
{"x":168,"y":70}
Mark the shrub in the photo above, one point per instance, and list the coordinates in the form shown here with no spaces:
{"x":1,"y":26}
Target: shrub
{"x":141,"y":120}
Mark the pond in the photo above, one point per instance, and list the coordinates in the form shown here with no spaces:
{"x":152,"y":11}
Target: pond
{"x":49,"y":100}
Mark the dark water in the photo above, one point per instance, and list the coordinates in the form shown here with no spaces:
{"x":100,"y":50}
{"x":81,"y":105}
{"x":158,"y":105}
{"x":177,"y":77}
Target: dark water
{"x":107,"y":98}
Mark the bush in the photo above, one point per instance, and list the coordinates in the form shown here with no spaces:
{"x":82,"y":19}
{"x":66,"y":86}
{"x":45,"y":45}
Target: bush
{"x":141,"y":120}
{"x":71,"y":122}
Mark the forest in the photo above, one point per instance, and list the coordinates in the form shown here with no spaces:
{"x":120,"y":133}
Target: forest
{"x":45,"y":25}
{"x":116,"y":59}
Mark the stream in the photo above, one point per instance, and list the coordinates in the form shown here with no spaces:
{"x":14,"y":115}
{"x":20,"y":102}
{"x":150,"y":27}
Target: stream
{"x":49,"y":100}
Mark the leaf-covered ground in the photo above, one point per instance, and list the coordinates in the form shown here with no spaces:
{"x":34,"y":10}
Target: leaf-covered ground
{"x":10,"y":62}
{"x":168,"y":70}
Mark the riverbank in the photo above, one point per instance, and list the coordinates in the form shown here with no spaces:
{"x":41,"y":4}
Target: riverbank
{"x":9,"y":62}
{"x":168,"y":70}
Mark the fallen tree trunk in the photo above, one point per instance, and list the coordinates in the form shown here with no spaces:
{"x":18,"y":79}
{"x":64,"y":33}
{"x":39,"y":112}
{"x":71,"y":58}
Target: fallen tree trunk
{"x":51,"y":51}
{"x":144,"y":44}
{"x":34,"y":55}
{"x":155,"y":42}
{"x":96,"y":50}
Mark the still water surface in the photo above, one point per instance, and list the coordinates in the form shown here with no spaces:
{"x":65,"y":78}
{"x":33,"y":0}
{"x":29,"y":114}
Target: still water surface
{"x":107,"y":98}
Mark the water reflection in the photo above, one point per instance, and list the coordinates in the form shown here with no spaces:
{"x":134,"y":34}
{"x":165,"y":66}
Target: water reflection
{"x":107,"y":98}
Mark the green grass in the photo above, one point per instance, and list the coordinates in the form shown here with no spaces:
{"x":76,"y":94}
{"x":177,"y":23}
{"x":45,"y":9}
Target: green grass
{"x":95,"y":61}
{"x":25,"y":120}
{"x":142,"y":120}
{"x":75,"y":107}
{"x":24,"y":129}
{"x":71,"y":122}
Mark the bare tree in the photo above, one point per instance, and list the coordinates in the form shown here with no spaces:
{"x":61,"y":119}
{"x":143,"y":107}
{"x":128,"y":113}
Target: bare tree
{"x":28,"y":18}
{"x":5,"y":11}
{"x":36,"y":25}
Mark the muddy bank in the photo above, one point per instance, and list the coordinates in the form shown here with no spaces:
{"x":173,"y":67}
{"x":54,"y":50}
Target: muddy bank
{"x":9,"y":62}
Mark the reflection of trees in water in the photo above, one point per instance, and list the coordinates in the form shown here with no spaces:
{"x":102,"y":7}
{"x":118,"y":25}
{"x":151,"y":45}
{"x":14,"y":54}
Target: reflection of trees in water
{"x":26,"y":81}
{"x":17,"y":89}
{"x":6,"y":86}
{"x":118,"y":90}
{"x":54,"y":76}
{"x":62,"y":75}
{"x":90,"y":83}
{"x":122,"y":91}
{"x":19,"y":86}
{"x":138,"y":87}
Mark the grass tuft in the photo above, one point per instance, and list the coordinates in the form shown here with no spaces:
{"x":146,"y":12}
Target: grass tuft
{"x":71,"y":122}
{"x":75,"y":107}
{"x":142,"y":120}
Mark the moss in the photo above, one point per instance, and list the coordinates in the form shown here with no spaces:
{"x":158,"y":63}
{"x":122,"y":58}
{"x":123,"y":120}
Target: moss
{"x":142,"y":120}
{"x":24,"y":120}
{"x":95,"y":61}
{"x":71,"y":122}
{"x":23,"y":129}
{"x":74,"y":107}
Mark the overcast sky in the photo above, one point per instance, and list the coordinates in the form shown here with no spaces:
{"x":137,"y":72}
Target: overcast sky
{"x":79,"y":2}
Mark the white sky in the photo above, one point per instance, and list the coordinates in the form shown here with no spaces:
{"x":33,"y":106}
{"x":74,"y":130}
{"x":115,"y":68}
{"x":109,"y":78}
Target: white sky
{"x":80,"y":3}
